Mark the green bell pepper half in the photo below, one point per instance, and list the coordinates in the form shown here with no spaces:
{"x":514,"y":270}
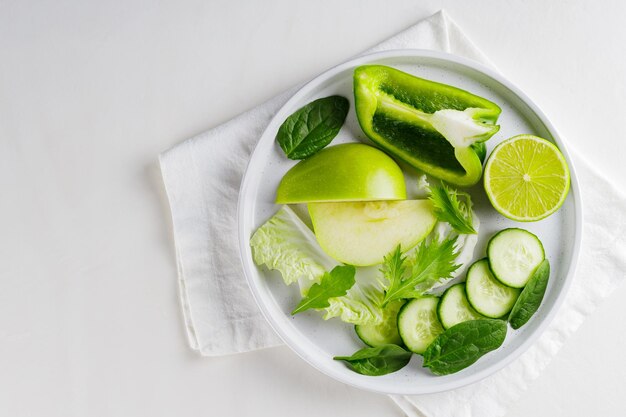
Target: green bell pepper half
{"x":434,"y":127}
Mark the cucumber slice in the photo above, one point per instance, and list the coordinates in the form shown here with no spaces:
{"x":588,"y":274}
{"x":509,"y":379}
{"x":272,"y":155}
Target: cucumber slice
{"x":454,"y":307}
{"x":386,"y":332}
{"x":486,"y":294}
{"x":514,"y":254}
{"x":418,"y":323}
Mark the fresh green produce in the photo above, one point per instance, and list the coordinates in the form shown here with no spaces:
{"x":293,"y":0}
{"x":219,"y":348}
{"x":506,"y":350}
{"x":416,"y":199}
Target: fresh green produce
{"x":454,"y":308}
{"x":333,"y":284}
{"x":463,"y":344}
{"x":347,"y":172}
{"x":362,"y":233}
{"x":434,"y":261}
{"x":375,"y":361}
{"x":312,"y":127}
{"x":418,"y":323}
{"x":532,"y":295}
{"x":433,"y":127}
{"x":486,"y":294}
{"x":286,"y":244}
{"x":465,"y":243}
{"x":481,"y":150}
{"x":526,"y":178}
{"x":362,"y":304}
{"x":449,"y":209}
{"x":376,"y":259}
{"x":514,"y":254}
{"x":386,"y":332}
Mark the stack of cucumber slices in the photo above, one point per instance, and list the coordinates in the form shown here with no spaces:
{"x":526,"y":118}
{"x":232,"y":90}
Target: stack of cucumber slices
{"x":469,"y":319}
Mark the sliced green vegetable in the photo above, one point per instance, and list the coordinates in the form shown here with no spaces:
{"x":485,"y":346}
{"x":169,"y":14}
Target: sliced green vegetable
{"x":377,"y":361}
{"x":486,"y":294}
{"x":384,"y":333}
{"x":333,"y":284}
{"x":481,"y":150}
{"x":312,"y":127}
{"x":532,"y":295}
{"x":454,"y":308}
{"x":514,"y":254}
{"x":418,"y":323}
{"x":463,"y":344}
{"x":429,"y":125}
{"x":449,"y":209}
{"x":433,"y":262}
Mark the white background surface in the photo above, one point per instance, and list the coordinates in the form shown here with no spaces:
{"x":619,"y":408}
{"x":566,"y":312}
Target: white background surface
{"x":92,"y":91}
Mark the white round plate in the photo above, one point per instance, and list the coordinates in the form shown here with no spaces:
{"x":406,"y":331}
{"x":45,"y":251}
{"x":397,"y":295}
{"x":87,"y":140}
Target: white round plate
{"x":317,"y":340}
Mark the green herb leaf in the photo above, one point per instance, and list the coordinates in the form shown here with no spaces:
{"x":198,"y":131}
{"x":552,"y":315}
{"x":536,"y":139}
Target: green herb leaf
{"x":312,"y":127}
{"x":463,"y":344}
{"x":433,"y":261}
{"x":333,"y":284}
{"x":531,"y":296}
{"x":393,"y":268}
{"x":377,"y":361}
{"x":448,"y":208}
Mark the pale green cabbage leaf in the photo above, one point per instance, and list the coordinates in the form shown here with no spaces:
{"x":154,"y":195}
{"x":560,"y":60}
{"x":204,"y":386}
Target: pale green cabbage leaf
{"x":362,"y":303}
{"x":285,"y":243}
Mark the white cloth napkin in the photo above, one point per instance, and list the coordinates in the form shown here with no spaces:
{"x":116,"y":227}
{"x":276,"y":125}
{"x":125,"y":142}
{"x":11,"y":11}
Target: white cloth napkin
{"x":202,"y":178}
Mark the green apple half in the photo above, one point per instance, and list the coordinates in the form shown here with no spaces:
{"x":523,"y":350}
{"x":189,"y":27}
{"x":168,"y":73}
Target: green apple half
{"x":348,"y":172}
{"x":363,"y":233}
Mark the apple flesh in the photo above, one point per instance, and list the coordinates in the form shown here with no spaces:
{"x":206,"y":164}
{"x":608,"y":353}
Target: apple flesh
{"x":348,"y":172}
{"x":363,"y":233}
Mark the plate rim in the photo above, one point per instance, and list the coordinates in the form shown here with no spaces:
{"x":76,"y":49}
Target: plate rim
{"x":574,"y":190}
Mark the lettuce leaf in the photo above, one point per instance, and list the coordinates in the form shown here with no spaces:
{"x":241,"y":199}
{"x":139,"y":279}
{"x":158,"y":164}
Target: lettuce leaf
{"x":362,"y":304}
{"x":286,"y":244}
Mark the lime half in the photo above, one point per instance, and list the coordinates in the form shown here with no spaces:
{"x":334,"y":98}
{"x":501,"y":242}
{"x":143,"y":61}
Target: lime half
{"x":526,"y":178}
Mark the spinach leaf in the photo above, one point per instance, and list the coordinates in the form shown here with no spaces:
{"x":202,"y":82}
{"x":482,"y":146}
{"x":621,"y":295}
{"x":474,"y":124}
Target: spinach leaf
{"x":312,"y":127}
{"x":333,"y":284}
{"x":448,"y":208}
{"x":463,"y":344}
{"x":377,"y":361}
{"x":531,"y":296}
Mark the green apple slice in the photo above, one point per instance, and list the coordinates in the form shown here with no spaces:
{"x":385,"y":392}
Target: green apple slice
{"x":362,"y":233}
{"x":348,"y":172}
